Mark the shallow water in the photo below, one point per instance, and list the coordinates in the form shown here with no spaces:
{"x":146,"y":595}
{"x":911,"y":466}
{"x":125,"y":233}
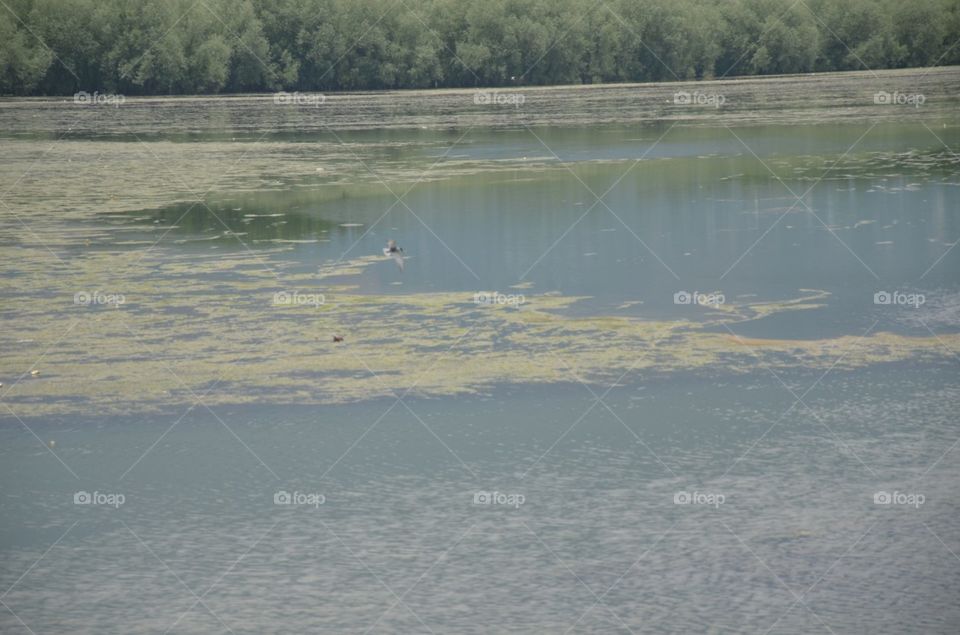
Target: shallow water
{"x":794,"y":399}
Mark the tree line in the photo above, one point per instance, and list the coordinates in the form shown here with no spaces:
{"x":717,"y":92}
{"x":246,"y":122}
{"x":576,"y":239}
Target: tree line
{"x":148,"y":47}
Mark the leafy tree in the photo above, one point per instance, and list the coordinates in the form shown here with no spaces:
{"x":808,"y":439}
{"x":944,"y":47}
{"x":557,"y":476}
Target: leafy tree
{"x":180,"y":46}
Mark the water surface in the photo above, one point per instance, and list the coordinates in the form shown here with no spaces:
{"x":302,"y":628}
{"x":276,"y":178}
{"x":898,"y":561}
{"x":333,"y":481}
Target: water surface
{"x":592,"y":393}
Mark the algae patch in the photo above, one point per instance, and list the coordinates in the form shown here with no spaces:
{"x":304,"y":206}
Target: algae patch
{"x":209,"y":329}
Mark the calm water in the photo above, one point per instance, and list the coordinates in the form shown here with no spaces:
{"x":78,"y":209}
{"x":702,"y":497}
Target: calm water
{"x":519,"y":503}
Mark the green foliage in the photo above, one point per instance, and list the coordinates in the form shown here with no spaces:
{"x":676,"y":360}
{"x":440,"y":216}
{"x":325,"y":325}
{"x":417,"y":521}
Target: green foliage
{"x":181,"y":46}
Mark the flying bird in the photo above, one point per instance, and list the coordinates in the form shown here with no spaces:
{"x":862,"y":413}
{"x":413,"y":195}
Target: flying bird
{"x":392,"y":251}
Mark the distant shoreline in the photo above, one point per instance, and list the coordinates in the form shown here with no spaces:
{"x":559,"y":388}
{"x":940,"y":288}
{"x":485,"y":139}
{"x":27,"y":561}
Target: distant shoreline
{"x":735,"y":80}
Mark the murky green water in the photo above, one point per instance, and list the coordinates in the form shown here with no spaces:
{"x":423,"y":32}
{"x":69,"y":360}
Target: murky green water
{"x":144,"y":248}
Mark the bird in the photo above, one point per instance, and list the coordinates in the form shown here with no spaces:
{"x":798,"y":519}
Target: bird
{"x":337,"y":338}
{"x":392,"y":251}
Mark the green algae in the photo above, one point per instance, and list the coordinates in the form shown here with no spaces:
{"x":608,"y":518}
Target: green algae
{"x":176,"y":340}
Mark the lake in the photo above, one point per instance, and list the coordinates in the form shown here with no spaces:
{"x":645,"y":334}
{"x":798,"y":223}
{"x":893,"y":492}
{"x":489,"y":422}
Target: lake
{"x":659,"y":358}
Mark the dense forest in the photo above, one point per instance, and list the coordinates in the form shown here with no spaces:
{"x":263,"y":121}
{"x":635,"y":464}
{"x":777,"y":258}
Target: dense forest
{"x":139,"y":47}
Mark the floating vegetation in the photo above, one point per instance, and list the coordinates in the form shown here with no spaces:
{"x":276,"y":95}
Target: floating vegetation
{"x":161,"y":222}
{"x":176,"y":337}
